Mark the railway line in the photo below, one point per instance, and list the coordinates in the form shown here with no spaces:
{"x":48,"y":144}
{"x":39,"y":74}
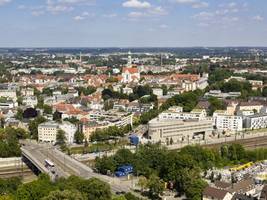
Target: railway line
{"x":15,"y":172}
{"x":251,"y":143}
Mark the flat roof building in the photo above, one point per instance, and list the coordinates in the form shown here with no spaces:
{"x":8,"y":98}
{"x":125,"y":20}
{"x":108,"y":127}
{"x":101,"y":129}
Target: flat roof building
{"x":164,"y":130}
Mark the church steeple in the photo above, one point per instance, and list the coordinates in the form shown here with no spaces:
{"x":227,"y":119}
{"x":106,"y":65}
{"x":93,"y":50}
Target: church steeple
{"x":129,"y":64}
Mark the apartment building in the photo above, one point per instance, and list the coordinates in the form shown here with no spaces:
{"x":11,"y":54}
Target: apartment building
{"x":47,"y":131}
{"x":30,"y":101}
{"x":176,"y":113}
{"x":162,"y":130}
{"x":8,"y":92}
{"x":225,"y":122}
{"x":256,"y":121}
{"x":252,"y":106}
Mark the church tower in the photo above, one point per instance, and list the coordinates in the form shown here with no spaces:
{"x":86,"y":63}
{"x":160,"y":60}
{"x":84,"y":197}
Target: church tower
{"x":129,"y":64}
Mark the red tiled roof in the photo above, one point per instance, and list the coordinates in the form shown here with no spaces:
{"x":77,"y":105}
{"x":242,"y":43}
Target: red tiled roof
{"x":130,"y":70}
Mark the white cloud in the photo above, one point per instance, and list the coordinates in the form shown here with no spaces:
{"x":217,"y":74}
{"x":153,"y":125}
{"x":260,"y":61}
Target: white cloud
{"x":3,"y":2}
{"x":136,"y":4}
{"x":158,"y":11}
{"x":193,"y":3}
{"x":258,"y":18}
{"x":136,"y":14}
{"x":78,"y":18}
{"x":83,"y":16}
{"x":37,"y":12}
{"x":163,"y":26}
{"x":112,"y":15}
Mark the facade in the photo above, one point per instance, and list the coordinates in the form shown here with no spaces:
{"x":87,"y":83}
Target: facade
{"x":225,"y":122}
{"x":172,"y":113}
{"x":30,"y":101}
{"x":256,"y":121}
{"x":47,"y":131}
{"x":9,"y":93}
{"x":158,"y":92}
{"x":130,"y":75}
{"x":90,"y":128}
{"x":162,"y":130}
{"x":114,"y":118}
{"x":70,"y":129}
{"x":252,"y":106}
{"x":220,"y":95}
{"x":27,"y":92}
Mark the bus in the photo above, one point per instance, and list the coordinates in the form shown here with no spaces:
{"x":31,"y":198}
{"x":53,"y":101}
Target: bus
{"x":48,"y":163}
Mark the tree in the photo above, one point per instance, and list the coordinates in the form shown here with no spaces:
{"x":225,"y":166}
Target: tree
{"x":64,"y":195}
{"x":61,"y":138}
{"x":155,"y":186}
{"x":57,"y":116}
{"x":78,"y":137}
{"x":264,"y":92}
{"x":47,"y":109}
{"x":19,"y":114}
{"x":20,"y":100}
{"x":95,"y":189}
{"x":142,"y":182}
{"x":33,"y":126}
{"x":194,"y":191}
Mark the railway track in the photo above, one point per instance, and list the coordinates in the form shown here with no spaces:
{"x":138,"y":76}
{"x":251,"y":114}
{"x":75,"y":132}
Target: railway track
{"x":14,"y":172}
{"x":251,"y":143}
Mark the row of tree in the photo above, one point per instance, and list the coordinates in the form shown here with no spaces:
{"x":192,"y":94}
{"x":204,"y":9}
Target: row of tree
{"x":73,"y":188}
{"x":182,"y":169}
{"x":9,"y":141}
{"x":111,"y":132}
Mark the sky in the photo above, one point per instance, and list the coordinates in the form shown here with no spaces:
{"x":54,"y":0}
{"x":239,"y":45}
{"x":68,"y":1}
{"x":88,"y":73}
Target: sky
{"x":132,"y":23}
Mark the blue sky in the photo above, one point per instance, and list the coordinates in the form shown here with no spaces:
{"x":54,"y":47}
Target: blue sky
{"x":135,"y":23}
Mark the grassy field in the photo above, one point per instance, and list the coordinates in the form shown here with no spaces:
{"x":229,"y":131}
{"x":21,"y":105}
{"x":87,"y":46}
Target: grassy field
{"x":99,"y":147}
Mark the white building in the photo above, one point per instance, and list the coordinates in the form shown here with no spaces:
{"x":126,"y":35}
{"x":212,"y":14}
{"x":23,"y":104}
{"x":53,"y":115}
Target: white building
{"x":158,"y":92}
{"x":219,"y":94}
{"x":47,"y":131}
{"x":70,"y":129}
{"x":8,"y":105}
{"x":256,"y":121}
{"x":172,"y":113}
{"x":9,"y":93}
{"x":30,"y":101}
{"x":27,"y":92}
{"x":164,"y":130}
{"x":225,"y":122}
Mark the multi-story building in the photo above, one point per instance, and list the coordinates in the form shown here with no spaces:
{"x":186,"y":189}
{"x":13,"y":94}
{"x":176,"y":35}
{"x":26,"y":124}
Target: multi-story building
{"x":89,"y":128}
{"x":27,"y":92}
{"x":163,"y":130}
{"x":47,"y":131}
{"x":172,"y":113}
{"x":114,"y":118}
{"x":69,"y":129}
{"x":30,"y":101}
{"x":158,"y":92}
{"x":220,"y":95}
{"x":9,"y":92}
{"x":255,"y":121}
{"x":252,"y":106}
{"x":226,"y":122}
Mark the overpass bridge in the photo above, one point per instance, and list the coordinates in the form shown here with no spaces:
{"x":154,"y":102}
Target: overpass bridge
{"x":65,"y":166}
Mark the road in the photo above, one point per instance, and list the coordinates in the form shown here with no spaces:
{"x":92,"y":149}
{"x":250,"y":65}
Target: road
{"x":66,"y":166}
